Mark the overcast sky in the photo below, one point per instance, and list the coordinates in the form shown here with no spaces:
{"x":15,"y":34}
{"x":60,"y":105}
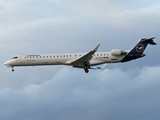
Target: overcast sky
{"x":125,"y":91}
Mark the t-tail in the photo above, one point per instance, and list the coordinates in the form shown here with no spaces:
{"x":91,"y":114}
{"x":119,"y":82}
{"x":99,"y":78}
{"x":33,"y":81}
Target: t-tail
{"x":138,"y":49}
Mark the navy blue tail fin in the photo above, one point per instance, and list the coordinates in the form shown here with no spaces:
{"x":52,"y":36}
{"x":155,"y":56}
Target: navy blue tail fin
{"x":141,"y":46}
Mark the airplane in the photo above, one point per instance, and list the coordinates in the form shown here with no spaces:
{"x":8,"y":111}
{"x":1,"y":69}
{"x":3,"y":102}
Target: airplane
{"x":83,"y":60}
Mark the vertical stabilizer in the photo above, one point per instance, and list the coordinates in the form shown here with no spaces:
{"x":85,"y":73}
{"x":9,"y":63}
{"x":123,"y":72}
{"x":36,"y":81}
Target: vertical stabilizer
{"x":141,"y":46}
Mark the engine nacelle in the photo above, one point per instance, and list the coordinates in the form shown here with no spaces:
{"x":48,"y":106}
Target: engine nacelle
{"x":117,"y":52}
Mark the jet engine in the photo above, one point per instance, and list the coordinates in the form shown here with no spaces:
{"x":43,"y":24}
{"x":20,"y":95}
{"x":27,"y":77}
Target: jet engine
{"x":117,"y":52}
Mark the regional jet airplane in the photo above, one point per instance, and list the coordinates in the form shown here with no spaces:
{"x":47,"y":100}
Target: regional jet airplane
{"x":83,"y":60}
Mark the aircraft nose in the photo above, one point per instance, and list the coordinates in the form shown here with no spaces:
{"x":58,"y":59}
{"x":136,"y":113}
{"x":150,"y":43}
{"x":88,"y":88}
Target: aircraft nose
{"x":7,"y":63}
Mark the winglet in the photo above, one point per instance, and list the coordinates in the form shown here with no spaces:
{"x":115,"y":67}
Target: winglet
{"x":96,"y":48}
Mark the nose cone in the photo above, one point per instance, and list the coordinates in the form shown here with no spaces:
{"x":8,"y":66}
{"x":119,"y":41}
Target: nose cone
{"x":7,"y":63}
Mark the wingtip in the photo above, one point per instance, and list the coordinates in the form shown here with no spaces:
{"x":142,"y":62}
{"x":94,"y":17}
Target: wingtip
{"x":98,"y":45}
{"x":96,"y":48}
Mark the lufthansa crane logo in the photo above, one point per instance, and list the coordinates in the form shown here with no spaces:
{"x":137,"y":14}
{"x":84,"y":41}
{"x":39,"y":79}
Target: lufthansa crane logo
{"x":140,"y":48}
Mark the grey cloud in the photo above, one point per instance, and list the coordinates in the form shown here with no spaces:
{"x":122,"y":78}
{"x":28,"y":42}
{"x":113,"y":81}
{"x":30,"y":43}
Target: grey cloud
{"x":94,"y":4}
{"x":29,"y":75}
{"x":138,"y":17}
{"x":107,"y":94}
{"x":77,"y":29}
{"x":126,"y":91}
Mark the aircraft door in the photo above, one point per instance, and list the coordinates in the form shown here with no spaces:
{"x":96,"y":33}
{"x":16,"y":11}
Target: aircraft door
{"x":22,"y":59}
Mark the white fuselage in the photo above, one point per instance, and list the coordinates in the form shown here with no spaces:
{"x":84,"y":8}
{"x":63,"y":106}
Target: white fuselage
{"x":62,"y":59}
{"x":83,"y":60}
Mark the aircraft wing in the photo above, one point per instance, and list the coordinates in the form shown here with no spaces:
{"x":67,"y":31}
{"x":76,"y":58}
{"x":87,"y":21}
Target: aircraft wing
{"x":85,"y":60}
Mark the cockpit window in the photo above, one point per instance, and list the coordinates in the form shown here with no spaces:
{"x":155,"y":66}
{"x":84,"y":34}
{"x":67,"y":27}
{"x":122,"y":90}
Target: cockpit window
{"x":14,"y":57}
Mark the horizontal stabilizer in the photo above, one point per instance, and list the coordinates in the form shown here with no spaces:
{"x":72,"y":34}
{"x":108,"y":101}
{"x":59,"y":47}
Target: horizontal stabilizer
{"x":99,"y":67}
{"x":149,"y":41}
